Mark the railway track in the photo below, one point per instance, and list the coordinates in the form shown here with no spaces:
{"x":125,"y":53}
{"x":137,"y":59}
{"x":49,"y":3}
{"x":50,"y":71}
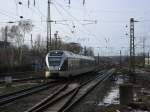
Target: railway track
{"x":24,"y":79}
{"x":68,"y":95}
{"x":8,"y":98}
{"x":22,"y":76}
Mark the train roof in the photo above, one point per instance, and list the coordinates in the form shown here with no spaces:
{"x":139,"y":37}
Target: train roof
{"x":68,"y":54}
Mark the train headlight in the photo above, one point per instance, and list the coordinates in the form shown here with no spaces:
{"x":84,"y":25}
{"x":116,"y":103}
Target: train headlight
{"x":58,"y":68}
{"x":47,"y":74}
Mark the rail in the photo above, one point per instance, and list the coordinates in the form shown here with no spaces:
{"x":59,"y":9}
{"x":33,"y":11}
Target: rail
{"x":7,"y":98}
{"x":69,"y":96}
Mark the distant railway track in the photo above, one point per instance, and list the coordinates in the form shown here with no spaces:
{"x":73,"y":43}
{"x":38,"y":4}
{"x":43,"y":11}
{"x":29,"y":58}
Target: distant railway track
{"x":68,"y":95}
{"x":7,"y":98}
{"x":23,"y":79}
{"x":19,"y":73}
{"x":22,"y":76}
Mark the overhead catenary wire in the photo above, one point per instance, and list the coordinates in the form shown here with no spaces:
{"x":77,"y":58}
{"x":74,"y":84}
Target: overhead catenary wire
{"x":37,"y":11}
{"x":38,"y":8}
{"x":80,"y":27}
{"x":85,"y":29}
{"x":16,"y":4}
{"x":12,"y":17}
{"x":67,"y":25}
{"x":8,"y":15}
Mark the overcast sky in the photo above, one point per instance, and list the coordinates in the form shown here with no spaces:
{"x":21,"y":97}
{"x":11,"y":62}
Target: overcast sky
{"x":107,"y":36}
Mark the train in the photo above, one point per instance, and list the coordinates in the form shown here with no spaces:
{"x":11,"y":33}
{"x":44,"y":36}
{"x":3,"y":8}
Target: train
{"x":62,"y":63}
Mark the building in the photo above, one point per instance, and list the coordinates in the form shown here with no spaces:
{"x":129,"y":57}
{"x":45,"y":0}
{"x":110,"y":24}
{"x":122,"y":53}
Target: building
{"x":4,"y":44}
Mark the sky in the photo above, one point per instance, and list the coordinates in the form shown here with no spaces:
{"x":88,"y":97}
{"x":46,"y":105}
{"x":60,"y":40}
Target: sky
{"x":76,"y":23}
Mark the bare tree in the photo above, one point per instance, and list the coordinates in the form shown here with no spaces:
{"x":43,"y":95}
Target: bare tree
{"x":17,"y":32}
{"x":38,"y":50}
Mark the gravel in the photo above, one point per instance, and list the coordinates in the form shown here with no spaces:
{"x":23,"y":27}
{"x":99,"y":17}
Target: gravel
{"x":90,"y":102}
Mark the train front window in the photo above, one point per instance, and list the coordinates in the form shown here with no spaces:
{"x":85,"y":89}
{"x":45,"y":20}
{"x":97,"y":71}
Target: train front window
{"x":54,"y":61}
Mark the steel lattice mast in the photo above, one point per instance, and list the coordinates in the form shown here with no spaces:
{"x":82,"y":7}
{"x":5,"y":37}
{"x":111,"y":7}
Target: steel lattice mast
{"x":49,"y":26}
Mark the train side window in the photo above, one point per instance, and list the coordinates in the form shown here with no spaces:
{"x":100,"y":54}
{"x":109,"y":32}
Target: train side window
{"x":70,"y":64}
{"x":65,"y":65}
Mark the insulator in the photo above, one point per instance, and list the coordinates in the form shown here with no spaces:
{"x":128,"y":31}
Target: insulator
{"x":34,"y":2}
{"x":20,"y":3}
{"x":21,"y":16}
{"x":28,"y":3}
{"x":83,"y":2}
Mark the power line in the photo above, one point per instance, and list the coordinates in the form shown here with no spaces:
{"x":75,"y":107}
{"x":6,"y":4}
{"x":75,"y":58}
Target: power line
{"x":7,"y":15}
{"x":75,"y":19}
{"x":38,"y":8}
{"x":37,"y":11}
{"x":17,"y":11}
{"x":68,"y":26}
